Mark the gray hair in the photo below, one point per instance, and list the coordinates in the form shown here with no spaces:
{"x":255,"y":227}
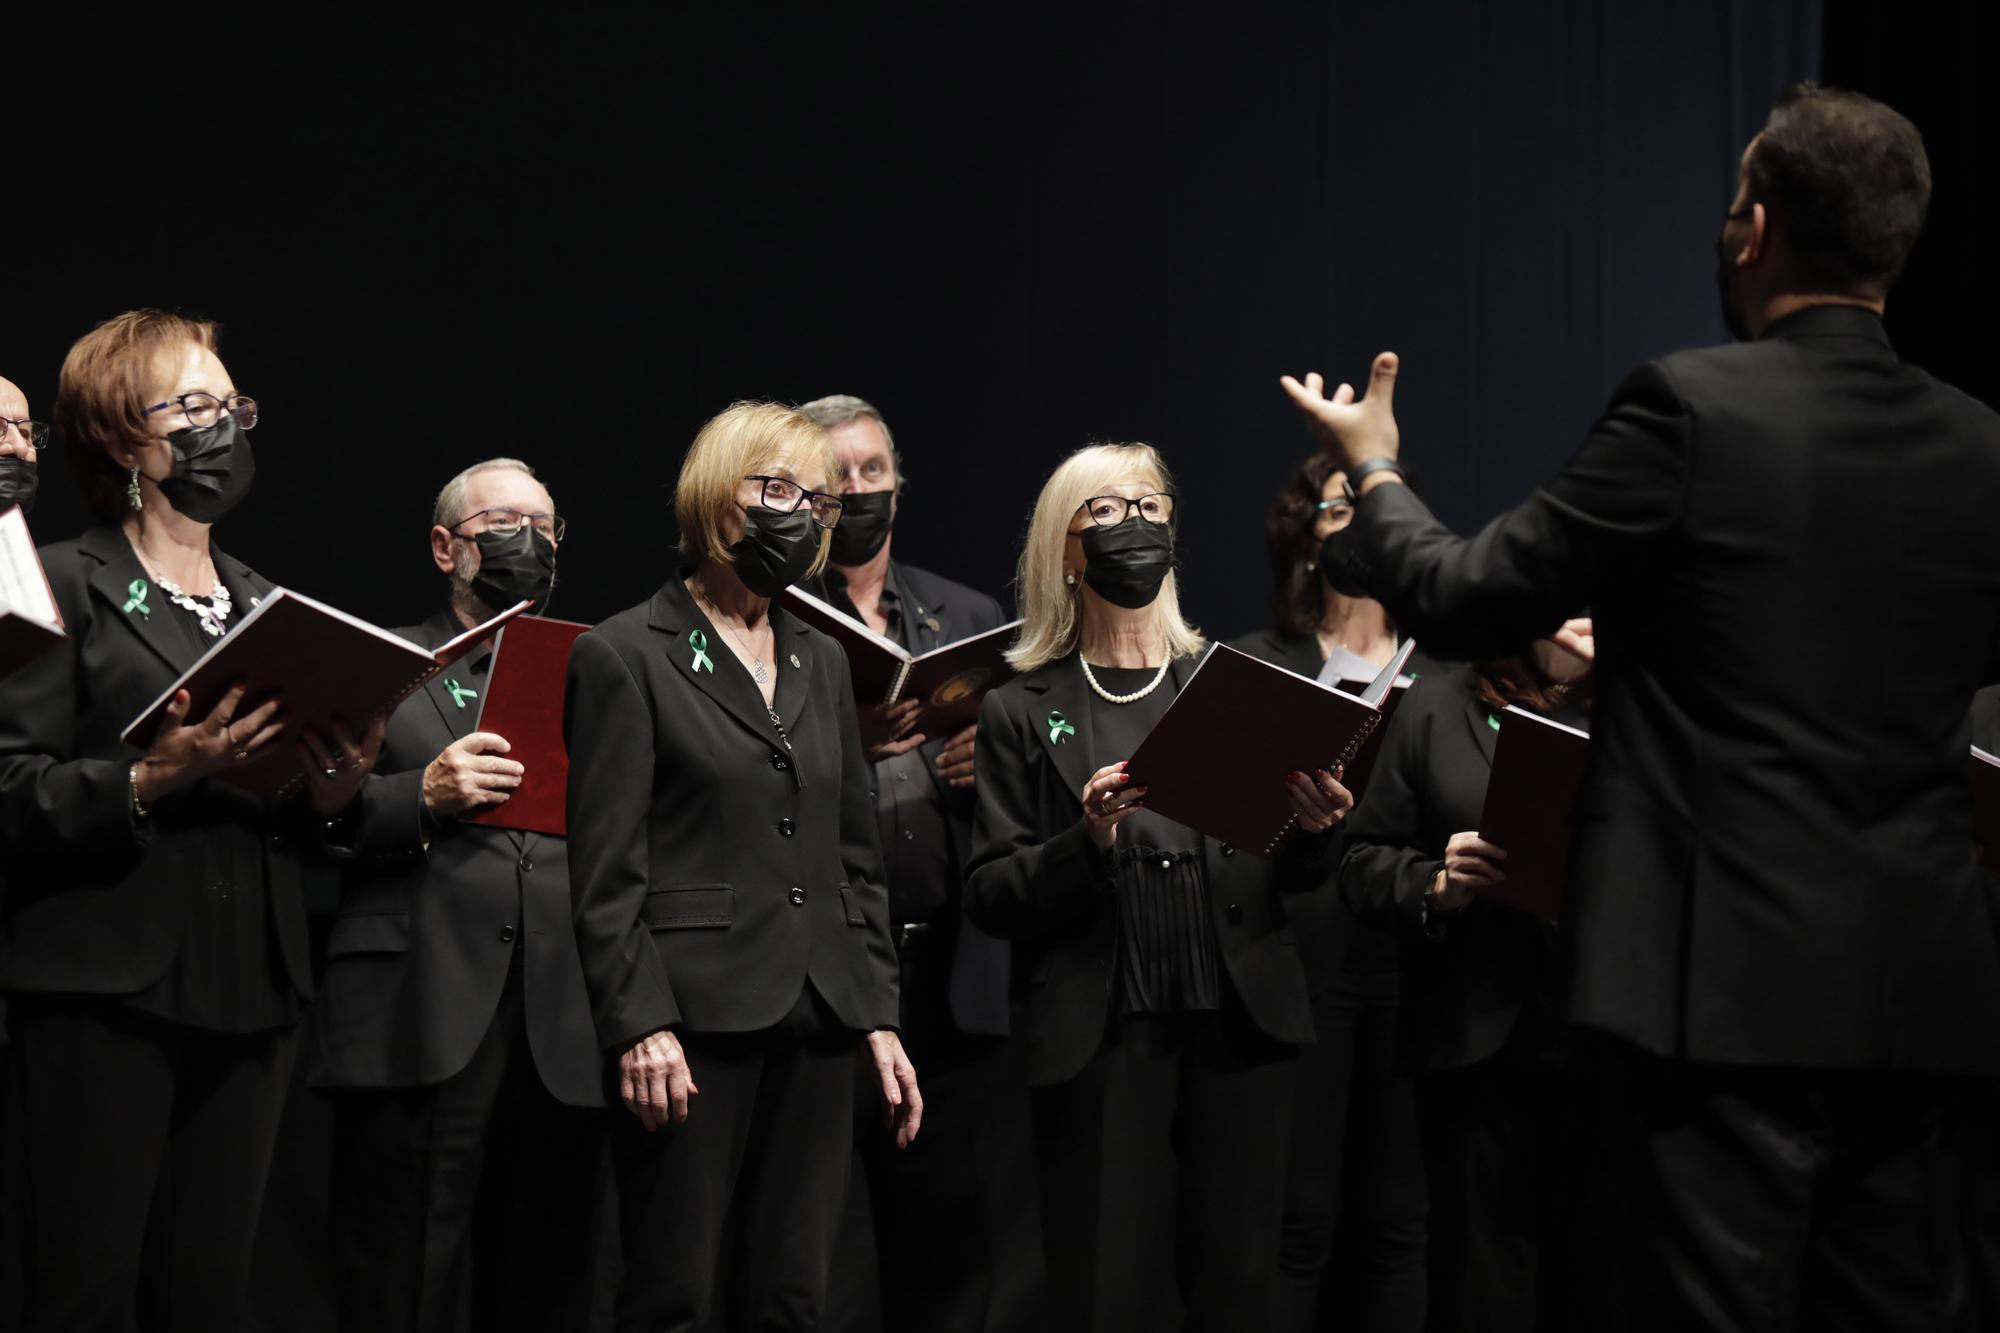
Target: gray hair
{"x":837,"y":409}
{"x":446,"y":512}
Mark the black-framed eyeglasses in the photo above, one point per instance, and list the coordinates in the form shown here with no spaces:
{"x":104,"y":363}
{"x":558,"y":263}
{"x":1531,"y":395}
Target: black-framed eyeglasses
{"x":785,"y":495}
{"x":35,"y":433}
{"x":1108,"y":511}
{"x":503,"y":520}
{"x":205,"y":409}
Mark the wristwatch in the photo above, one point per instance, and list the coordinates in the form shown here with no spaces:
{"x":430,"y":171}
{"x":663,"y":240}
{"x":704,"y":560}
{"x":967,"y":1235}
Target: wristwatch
{"x":1430,"y":916}
{"x":1365,"y":469}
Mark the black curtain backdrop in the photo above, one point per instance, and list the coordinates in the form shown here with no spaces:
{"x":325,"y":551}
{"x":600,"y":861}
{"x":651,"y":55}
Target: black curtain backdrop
{"x":1015,"y":229}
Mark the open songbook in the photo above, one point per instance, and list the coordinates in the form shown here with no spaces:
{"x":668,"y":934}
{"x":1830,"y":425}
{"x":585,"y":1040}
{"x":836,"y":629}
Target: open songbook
{"x":1218,"y":760}
{"x":30,"y":625}
{"x":950,"y":680}
{"x":1537,"y":768}
{"x":327,"y":664}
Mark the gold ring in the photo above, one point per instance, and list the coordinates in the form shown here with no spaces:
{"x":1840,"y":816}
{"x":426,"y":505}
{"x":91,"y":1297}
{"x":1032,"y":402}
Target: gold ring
{"x":242,"y":755}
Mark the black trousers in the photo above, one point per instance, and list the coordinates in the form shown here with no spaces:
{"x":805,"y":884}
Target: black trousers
{"x":1499,"y":1141}
{"x":469,"y":1204}
{"x":943,"y":1236}
{"x":1162,"y":1177}
{"x":148,"y":1144}
{"x":1351,"y":1254}
{"x":729,"y":1218}
{"x":1769,"y":1200}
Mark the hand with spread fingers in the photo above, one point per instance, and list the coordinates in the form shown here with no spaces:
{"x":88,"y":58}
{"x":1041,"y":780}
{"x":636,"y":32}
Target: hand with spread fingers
{"x":335,"y":764}
{"x":1109,"y":800}
{"x":183,"y":752}
{"x":1350,"y":429}
{"x":1319,"y":798}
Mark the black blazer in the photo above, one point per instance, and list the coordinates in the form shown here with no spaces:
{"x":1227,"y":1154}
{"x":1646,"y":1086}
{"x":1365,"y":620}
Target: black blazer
{"x":97,"y":901}
{"x":1466,"y":985}
{"x":1771,"y":862}
{"x":714,"y":868}
{"x":938,"y":611}
{"x":1035,"y":879}
{"x":429,"y":917}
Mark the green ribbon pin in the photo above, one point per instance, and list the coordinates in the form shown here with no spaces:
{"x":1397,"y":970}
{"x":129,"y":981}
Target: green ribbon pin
{"x":699,"y":642}
{"x":459,"y":694}
{"x":1493,"y":721}
{"x":1059,"y":727}
{"x":136,"y":599}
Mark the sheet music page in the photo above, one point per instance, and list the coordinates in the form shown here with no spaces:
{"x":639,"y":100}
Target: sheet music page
{"x":23,"y":589}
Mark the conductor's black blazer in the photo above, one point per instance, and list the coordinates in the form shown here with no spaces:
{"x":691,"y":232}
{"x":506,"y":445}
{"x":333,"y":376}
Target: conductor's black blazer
{"x":1036,"y":879}
{"x":715,"y":868}
{"x":1466,"y":983}
{"x":1772,"y":862}
{"x":98,"y":901}
{"x":431,"y":912}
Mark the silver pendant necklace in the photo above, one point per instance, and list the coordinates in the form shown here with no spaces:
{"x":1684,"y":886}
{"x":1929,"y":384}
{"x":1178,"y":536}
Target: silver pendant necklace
{"x":758,"y":671}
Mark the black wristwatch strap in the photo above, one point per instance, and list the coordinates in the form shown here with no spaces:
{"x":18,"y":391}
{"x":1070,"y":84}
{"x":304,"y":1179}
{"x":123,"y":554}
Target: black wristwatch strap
{"x":1368,"y":468}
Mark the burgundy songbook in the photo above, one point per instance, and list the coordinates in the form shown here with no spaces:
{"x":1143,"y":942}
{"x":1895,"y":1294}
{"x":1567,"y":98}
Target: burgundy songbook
{"x":1217,"y":761}
{"x":524,"y":703}
{"x":30,"y":624}
{"x":1985,"y":772}
{"x":327,"y":664}
{"x":1537,"y":768}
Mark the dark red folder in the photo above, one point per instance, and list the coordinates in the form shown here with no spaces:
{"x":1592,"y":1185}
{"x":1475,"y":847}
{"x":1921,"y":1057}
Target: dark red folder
{"x":1218,"y":760}
{"x":30,"y":624}
{"x":1537,"y":768}
{"x":327,"y":664}
{"x":1985,"y":772}
{"x":524,"y":703}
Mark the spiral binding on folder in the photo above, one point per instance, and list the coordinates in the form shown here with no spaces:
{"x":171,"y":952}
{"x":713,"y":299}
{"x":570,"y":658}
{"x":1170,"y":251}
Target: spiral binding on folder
{"x":1354,"y":745}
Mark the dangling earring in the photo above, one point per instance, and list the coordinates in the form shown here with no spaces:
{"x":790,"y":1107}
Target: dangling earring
{"x":132,"y":489}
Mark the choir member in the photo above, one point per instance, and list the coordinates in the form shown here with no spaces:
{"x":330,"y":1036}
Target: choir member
{"x":156,"y":958}
{"x":1163,"y":995}
{"x":1481,"y":1018}
{"x":21,"y":443}
{"x":452,"y":1020}
{"x":1354,"y":1166}
{"x":954,"y":1223}
{"x":729,"y":906}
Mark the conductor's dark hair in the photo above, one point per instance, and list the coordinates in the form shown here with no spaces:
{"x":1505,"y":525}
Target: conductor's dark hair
{"x":1846,"y":182}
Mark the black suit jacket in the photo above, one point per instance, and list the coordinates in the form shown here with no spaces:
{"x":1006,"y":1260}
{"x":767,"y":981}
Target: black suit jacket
{"x":1467,"y":984}
{"x":98,"y":901}
{"x":430,"y":915}
{"x":1035,"y":879}
{"x":714,"y":868}
{"x":937,"y":611}
{"x":1771,"y":863}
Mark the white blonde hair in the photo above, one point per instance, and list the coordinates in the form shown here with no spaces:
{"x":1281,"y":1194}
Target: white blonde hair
{"x":1048,"y":604}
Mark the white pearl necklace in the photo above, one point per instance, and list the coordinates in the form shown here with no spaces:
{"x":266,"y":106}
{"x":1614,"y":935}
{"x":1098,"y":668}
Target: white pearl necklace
{"x":1131,"y":698}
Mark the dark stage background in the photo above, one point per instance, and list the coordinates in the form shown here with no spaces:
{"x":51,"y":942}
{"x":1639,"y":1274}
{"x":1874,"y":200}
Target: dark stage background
{"x":1016,"y":229}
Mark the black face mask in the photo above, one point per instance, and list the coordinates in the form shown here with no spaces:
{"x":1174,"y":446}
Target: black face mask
{"x":212,"y":470}
{"x":1726,"y":274}
{"x":517,"y":566}
{"x":863,"y":527}
{"x":775,"y":550}
{"x":19,"y":481}
{"x":1127,"y":563}
{"x":1328,"y":568}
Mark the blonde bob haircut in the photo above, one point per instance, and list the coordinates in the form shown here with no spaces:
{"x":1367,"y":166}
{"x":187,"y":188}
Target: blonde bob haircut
{"x":1048,"y":604}
{"x":742,"y":440}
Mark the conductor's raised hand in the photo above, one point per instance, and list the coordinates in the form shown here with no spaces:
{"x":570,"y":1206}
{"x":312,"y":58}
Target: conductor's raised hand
{"x":1319,"y":798}
{"x":1109,"y":799}
{"x":1352,"y":430}
{"x":184,"y":751}
{"x":469,"y":774}
{"x":654,"y":1080}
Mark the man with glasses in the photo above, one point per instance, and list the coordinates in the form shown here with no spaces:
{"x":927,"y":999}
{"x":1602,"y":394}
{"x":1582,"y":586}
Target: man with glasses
{"x":954,"y":1216}
{"x":453,"y":1022}
{"x":21,"y":443}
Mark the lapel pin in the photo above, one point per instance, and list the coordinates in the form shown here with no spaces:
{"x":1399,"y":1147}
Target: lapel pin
{"x":1059,"y":727}
{"x":459,"y":694}
{"x":795,"y":661}
{"x":699,"y":642}
{"x":135,"y":599}
{"x":1493,"y":721}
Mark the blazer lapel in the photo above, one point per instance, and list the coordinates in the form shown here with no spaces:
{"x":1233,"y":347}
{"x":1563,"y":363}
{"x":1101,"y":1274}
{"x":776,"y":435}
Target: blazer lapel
{"x":457,"y":694}
{"x":1483,"y":733}
{"x":1060,"y":699}
{"x":715,"y":671}
{"x":925,"y":624}
{"x":122,"y":583}
{"x":795,"y":665}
